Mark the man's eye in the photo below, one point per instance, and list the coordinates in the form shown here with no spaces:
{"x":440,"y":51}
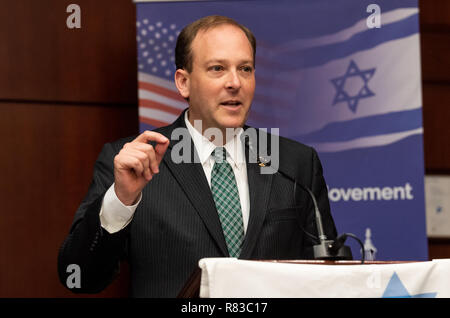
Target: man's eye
{"x":216,"y":68}
{"x":247,"y":69}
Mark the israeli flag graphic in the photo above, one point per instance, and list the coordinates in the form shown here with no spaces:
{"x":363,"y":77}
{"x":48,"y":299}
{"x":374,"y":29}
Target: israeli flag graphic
{"x":370,"y":85}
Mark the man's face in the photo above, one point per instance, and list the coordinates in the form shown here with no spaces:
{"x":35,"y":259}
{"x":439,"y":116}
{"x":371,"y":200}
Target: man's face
{"x":221,"y":84}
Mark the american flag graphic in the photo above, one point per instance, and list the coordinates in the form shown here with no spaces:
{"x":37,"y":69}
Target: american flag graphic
{"x":159,"y":100}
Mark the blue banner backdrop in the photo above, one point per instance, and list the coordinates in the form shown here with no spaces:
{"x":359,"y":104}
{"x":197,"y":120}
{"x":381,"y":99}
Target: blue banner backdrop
{"x":327,"y":78}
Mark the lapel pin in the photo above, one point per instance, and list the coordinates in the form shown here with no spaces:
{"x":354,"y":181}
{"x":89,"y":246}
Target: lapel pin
{"x":262,"y":161}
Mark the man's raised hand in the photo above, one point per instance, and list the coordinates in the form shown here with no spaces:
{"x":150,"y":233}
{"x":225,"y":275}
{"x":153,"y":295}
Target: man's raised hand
{"x":136,"y":164}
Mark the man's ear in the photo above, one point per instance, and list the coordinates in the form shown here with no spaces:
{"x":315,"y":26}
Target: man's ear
{"x":182,"y":82}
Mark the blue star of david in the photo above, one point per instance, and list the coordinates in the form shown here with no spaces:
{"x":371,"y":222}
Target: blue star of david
{"x":364,"y":92}
{"x":396,"y":289}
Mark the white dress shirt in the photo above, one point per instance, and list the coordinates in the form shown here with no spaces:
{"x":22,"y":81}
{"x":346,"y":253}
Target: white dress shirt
{"x":114,"y":215}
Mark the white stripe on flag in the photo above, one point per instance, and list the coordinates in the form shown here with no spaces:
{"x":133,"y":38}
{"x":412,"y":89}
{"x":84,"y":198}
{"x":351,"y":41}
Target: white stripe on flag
{"x":147,"y":78}
{"x":145,"y":94}
{"x":365,"y":142}
{"x":157,"y":115}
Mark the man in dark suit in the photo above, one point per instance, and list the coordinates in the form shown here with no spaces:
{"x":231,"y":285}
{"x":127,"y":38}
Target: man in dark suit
{"x":163,"y":214}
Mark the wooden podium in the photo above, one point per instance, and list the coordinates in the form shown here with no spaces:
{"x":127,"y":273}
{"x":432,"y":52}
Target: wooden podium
{"x":191,"y":289}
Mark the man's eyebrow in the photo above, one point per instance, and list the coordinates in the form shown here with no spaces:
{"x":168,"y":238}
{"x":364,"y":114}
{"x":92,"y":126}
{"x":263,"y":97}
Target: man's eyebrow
{"x":247,"y":62}
{"x":221,"y":61}
{"x":215,"y":61}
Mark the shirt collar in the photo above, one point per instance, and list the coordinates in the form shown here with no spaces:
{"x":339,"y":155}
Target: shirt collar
{"x":204,"y":147}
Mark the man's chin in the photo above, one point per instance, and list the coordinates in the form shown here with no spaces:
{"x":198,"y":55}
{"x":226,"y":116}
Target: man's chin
{"x":237,"y":120}
{"x":232,"y":123}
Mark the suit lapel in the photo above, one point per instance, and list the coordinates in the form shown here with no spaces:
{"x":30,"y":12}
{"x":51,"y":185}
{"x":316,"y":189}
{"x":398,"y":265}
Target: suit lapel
{"x":259,"y":188}
{"x":192,"y":180}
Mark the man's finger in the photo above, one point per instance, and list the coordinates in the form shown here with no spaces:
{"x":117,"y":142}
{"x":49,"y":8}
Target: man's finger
{"x":150,"y":153}
{"x":148,"y":135}
{"x":135,"y":164}
{"x":147,"y":174}
{"x":141,"y":156}
{"x":160,"y":150}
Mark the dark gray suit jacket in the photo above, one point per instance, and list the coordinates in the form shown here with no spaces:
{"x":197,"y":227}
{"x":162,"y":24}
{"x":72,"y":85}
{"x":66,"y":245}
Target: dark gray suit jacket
{"x":176,"y":223}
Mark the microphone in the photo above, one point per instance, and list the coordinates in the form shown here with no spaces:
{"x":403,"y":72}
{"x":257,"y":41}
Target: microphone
{"x":326,"y":249}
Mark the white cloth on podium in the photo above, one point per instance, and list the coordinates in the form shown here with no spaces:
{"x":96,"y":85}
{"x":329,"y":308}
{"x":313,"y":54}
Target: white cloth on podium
{"x":233,"y":278}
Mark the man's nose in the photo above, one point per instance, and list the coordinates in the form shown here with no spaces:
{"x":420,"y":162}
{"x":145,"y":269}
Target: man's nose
{"x":233,"y":81}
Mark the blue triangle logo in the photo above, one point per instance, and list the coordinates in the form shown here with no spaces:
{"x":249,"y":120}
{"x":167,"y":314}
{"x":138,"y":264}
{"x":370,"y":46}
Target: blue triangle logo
{"x":396,"y":289}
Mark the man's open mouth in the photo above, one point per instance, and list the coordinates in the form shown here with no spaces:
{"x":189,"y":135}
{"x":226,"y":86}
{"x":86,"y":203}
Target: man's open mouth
{"x":231,"y":103}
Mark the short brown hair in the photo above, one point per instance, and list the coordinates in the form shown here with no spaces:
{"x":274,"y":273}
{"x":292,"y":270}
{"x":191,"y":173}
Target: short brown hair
{"x":183,"y":52}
